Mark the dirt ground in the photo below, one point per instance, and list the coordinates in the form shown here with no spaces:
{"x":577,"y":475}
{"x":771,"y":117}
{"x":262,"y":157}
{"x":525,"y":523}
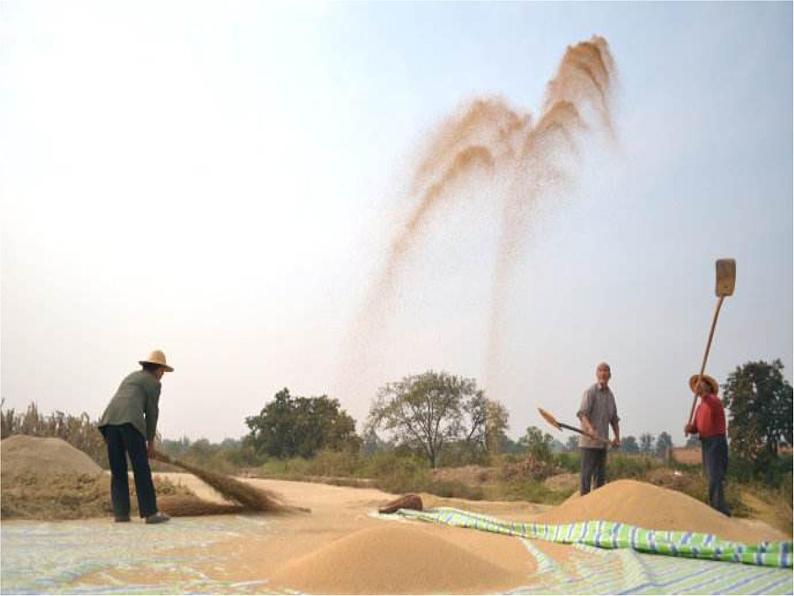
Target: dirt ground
{"x":338,"y":512}
{"x":340,"y":547}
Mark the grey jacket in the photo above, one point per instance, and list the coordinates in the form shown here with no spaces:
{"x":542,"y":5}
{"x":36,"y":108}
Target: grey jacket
{"x":136,"y":402}
{"x":600,"y":408}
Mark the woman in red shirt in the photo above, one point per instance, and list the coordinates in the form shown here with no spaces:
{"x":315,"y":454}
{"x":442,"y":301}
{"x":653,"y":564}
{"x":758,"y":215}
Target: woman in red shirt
{"x":709,"y":423}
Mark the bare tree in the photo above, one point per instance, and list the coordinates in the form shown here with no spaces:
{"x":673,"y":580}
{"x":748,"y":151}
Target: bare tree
{"x":431,"y":410}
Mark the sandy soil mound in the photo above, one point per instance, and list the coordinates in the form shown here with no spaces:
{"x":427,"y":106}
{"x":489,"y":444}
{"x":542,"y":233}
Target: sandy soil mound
{"x":394,"y":559}
{"x":22,"y":454}
{"x":649,"y":506}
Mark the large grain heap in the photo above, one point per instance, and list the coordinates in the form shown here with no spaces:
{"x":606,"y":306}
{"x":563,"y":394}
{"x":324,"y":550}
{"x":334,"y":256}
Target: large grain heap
{"x":648,"y":506}
{"x":396,"y":559}
{"x":23,"y":455}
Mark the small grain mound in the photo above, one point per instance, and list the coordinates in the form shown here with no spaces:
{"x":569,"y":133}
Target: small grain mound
{"x":22,"y":454}
{"x":395,"y":559}
{"x":652,"y":507}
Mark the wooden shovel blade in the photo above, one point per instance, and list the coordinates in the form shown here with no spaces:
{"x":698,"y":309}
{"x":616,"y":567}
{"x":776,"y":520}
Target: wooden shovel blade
{"x":549,"y":418}
{"x":726,"y":277}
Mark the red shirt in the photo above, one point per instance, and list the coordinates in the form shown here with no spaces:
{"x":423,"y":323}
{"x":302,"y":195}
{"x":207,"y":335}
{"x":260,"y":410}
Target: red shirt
{"x":710,"y":417}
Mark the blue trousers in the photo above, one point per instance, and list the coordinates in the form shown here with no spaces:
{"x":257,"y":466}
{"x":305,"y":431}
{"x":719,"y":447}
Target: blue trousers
{"x":594,"y":467}
{"x":123,"y":440}
{"x":715,"y":461}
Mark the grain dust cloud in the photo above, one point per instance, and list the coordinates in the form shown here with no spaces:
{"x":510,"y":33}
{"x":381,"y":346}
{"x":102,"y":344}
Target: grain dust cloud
{"x":515,"y":161}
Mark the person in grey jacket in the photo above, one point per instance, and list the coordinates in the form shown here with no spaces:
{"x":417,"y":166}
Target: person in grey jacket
{"x":597,"y":413}
{"x":129,"y":425}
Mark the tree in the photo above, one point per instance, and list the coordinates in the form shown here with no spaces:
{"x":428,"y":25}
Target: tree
{"x":572,"y":444}
{"x":537,"y":443}
{"x":300,"y":426}
{"x":496,"y":425}
{"x":629,"y":445}
{"x":427,"y":412}
{"x":663,"y":443}
{"x":692,"y":441}
{"x":760,"y":404}
{"x":646,"y":443}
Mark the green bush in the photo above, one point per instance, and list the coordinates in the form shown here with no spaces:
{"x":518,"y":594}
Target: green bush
{"x":530,"y":490}
{"x":285,"y":468}
{"x":334,"y":463}
{"x":571,"y":462}
{"x":452,"y":489}
{"x":630,"y":466}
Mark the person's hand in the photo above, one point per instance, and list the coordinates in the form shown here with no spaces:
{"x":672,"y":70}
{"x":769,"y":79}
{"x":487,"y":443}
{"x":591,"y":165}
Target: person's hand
{"x":150,"y":449}
{"x":616,"y":442}
{"x":690,"y":429}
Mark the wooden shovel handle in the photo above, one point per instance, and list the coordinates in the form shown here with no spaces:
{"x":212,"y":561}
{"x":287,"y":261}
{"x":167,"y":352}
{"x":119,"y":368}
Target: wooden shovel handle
{"x":583,"y":432}
{"x":705,"y":358}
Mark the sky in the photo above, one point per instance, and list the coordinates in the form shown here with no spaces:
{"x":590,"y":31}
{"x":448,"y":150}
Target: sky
{"x":221,"y":180}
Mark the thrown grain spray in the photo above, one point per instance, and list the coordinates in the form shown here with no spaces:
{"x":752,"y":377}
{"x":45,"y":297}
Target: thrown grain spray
{"x":511,"y":158}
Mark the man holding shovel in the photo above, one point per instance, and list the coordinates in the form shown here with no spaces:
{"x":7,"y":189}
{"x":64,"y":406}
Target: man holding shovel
{"x":709,"y":423}
{"x":129,"y":424}
{"x":596,"y":413}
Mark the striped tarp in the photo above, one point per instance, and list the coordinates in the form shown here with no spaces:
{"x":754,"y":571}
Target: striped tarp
{"x":612,"y":535}
{"x":590,"y":570}
{"x":610,"y":558}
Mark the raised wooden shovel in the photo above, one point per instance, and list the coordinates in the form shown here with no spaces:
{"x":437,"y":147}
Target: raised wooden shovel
{"x":559,"y":426}
{"x":726,"y":282}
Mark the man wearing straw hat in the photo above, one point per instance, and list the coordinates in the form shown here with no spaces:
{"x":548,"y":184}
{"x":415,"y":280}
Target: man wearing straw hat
{"x":129,"y":424}
{"x":709,"y":423}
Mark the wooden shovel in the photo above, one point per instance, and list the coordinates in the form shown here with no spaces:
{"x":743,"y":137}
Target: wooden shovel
{"x":559,"y":426}
{"x":726,"y":281}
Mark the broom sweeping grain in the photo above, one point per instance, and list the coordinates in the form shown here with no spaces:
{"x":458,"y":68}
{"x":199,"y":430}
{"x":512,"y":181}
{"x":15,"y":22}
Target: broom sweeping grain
{"x":252,"y":499}
{"x":188,"y":506}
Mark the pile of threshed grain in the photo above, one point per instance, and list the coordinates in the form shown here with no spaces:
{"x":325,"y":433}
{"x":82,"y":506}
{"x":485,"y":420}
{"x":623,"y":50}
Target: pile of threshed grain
{"x":47,"y":478}
{"x":397,"y":559}
{"x":648,"y":506}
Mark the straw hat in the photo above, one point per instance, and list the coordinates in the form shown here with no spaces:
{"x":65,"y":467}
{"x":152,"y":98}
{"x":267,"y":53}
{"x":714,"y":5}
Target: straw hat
{"x":715,"y":387}
{"x":157,"y":357}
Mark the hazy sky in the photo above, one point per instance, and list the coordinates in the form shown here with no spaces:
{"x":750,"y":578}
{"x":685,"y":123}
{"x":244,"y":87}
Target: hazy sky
{"x":221,"y":180}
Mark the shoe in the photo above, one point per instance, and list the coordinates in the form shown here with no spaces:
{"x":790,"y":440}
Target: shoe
{"x":122,"y":518}
{"x":158,"y":518}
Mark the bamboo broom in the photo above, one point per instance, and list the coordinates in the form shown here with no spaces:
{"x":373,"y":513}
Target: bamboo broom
{"x":252,"y":499}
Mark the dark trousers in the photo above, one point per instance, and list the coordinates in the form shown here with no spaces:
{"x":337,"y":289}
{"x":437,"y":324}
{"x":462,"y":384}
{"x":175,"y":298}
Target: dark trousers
{"x":715,"y":461}
{"x":121,"y":440}
{"x":594,"y":468}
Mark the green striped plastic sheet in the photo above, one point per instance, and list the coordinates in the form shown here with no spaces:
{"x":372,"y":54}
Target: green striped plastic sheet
{"x":612,"y":558}
{"x":591,"y":570}
{"x":605,"y":534}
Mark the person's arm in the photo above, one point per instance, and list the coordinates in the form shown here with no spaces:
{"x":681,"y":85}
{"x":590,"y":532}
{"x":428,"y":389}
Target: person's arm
{"x":615,"y":422}
{"x":585,"y":409}
{"x":152,"y":412}
{"x":692,"y":427}
{"x":616,"y":430}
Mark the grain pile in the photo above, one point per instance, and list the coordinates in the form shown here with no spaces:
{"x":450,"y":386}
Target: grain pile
{"x":47,"y":478}
{"x":22,"y":454}
{"x":652,"y":507}
{"x":396,"y":559}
